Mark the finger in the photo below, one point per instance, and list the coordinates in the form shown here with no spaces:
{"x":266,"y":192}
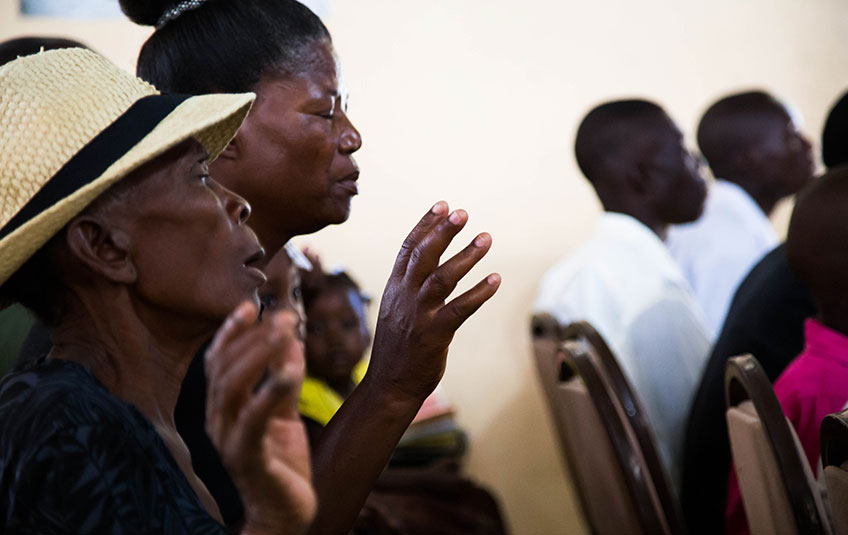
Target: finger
{"x":274,"y":395}
{"x":267,"y":346}
{"x":424,"y":259}
{"x":444,"y":279}
{"x":228,"y":393}
{"x":432,"y":218}
{"x":454,"y":314}
{"x":272,"y":341}
{"x":313,"y":258}
{"x":280,"y":320}
{"x":240,"y":320}
{"x":231,"y":355}
{"x":292,"y":371}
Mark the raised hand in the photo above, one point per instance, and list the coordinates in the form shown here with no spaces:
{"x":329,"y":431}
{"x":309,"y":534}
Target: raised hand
{"x":415,"y":325}
{"x":257,"y":430}
{"x":312,"y":279}
{"x":413,"y":332}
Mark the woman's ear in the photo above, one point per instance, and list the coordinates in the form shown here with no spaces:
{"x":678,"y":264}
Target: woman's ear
{"x":102,"y":248}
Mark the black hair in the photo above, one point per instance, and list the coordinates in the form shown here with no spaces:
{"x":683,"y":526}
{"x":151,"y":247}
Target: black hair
{"x":223,"y":45}
{"x":38,"y":285}
{"x":835,"y":134}
{"x":312,"y":289}
{"x":816,"y":239}
{"x":25,"y":46}
{"x":729,"y":127}
{"x":609,"y":129}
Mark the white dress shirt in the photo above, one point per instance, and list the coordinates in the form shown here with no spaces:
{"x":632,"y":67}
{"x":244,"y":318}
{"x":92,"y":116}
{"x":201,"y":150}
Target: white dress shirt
{"x":624,"y":282}
{"x":718,"y":250}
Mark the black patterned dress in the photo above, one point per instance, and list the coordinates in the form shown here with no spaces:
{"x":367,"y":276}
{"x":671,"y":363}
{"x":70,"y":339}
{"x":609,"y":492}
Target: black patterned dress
{"x":76,"y":459}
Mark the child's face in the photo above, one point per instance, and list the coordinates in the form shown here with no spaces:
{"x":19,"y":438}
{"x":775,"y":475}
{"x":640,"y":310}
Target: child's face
{"x":282,"y":291}
{"x":336,"y":334}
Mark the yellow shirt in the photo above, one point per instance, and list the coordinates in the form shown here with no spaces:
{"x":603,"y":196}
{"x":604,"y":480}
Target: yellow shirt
{"x":318,"y":401}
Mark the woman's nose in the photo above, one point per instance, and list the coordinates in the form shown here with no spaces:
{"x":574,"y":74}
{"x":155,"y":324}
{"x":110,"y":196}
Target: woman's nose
{"x":237,"y":207}
{"x":349,"y":141}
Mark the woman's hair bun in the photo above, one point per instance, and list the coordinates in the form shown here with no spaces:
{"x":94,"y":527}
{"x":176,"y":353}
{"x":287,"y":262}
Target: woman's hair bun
{"x":146,"y":12}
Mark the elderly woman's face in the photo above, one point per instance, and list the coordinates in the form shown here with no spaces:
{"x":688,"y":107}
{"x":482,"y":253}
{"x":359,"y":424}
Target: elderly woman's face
{"x":190,"y":246}
{"x":295,"y":154}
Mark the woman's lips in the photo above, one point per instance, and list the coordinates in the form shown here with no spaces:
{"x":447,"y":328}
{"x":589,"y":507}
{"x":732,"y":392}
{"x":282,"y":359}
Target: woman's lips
{"x":257,"y":274}
{"x":348,"y":184}
{"x":253,"y":271}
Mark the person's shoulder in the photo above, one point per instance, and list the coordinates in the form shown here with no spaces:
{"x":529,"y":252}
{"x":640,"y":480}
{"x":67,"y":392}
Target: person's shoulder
{"x":770,"y":289}
{"x":48,"y":395}
{"x":805,"y":378}
{"x":85,"y":456}
{"x":771,"y":270}
{"x":731,"y":223}
{"x":569,"y":279}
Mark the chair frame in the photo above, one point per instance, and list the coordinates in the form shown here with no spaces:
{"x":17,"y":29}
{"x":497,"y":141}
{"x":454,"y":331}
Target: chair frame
{"x":637,"y":420}
{"x":582,"y":352}
{"x":834,"y":439}
{"x":744,"y":380}
{"x":544,"y":327}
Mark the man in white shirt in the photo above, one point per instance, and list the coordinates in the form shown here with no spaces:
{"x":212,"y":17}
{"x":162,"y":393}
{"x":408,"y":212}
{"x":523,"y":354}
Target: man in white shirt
{"x":623,"y":280}
{"x":759,"y":156}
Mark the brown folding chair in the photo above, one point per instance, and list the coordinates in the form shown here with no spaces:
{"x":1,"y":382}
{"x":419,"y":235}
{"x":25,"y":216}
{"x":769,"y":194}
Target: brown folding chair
{"x":775,"y":480}
{"x":834,"y":453}
{"x":606,"y":440}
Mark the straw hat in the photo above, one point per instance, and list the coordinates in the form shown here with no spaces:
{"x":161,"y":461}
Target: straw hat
{"x":72,"y":124}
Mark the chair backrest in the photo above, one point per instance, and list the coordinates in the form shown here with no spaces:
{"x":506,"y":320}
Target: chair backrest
{"x":614,"y":479}
{"x":569,"y":403}
{"x":636,"y":420}
{"x":546,"y":335}
{"x":834,"y":452}
{"x":775,"y":480}
{"x":836,"y":483}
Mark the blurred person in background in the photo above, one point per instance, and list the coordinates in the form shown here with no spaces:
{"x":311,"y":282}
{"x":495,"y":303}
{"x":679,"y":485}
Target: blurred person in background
{"x":623,"y":280}
{"x":815,"y":383}
{"x":758,"y":155}
{"x":766,"y":318}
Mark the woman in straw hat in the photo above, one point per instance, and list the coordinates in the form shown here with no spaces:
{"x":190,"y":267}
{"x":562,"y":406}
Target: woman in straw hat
{"x":293,"y":161}
{"x":113,"y":233}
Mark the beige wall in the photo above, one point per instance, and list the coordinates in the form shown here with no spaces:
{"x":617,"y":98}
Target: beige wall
{"x":476,"y":102}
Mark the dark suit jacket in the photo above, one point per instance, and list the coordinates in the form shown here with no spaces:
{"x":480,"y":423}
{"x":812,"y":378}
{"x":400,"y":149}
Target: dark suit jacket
{"x":766,"y":319}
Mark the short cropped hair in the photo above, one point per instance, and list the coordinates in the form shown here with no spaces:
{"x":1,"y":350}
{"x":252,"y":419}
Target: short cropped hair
{"x":608,"y":130}
{"x":721,"y":131}
{"x":835,"y":134}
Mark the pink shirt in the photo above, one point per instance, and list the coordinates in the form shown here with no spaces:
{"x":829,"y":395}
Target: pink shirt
{"x":813,"y":385}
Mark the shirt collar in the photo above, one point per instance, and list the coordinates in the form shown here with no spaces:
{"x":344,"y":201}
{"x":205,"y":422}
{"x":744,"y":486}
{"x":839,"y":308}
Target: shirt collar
{"x":630,"y":228}
{"x":738,"y":194}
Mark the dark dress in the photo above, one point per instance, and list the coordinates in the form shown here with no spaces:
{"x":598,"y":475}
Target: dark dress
{"x":190,"y":417}
{"x":766,"y":319}
{"x":76,"y":459}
